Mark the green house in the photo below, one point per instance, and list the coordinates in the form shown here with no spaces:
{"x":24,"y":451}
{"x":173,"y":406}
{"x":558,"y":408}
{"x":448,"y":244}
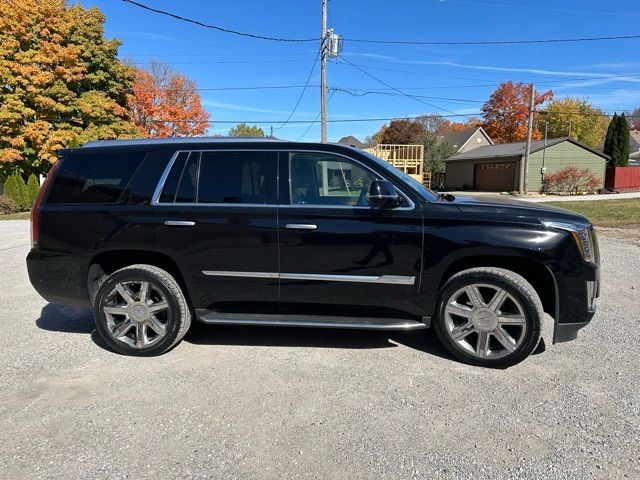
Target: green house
{"x":496,"y":168}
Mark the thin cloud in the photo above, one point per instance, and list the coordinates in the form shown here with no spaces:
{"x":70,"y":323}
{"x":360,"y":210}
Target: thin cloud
{"x":536,"y":7}
{"x":530,"y":70}
{"x":242,"y":108}
{"x":148,"y":36}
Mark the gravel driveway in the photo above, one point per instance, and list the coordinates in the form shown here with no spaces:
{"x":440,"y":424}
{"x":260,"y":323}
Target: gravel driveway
{"x":248,"y":402}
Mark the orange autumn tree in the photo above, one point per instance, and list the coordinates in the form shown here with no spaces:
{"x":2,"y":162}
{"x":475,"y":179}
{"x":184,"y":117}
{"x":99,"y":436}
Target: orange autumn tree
{"x":166,"y":103}
{"x":506,"y":112}
{"x":61,"y":83}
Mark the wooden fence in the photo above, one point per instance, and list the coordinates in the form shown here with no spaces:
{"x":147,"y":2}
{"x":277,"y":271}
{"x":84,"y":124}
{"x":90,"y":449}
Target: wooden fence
{"x":623,"y":179}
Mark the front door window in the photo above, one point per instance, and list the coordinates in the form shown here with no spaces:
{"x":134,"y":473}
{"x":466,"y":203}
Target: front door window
{"x":324,"y":179}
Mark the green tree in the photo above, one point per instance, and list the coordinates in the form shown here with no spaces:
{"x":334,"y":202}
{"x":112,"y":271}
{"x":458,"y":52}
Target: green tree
{"x":244,"y":130}
{"x":33,"y":187}
{"x":61,"y":82}
{"x":609,"y":136}
{"x":621,"y":143}
{"x":11,"y":189}
{"x":436,"y":151}
{"x":16,"y":189}
{"x":577,"y":118}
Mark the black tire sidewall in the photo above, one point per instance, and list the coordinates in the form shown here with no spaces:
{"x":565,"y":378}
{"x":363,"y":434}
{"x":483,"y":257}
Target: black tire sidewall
{"x":173,"y":319}
{"x":532,"y":314}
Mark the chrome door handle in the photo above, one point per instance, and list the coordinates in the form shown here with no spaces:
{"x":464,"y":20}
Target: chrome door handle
{"x":301,"y":226}
{"x":179,"y":223}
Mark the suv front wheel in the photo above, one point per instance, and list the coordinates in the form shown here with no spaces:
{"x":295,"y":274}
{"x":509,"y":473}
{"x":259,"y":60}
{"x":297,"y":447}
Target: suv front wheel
{"x":489,"y":316}
{"x":141,"y":310}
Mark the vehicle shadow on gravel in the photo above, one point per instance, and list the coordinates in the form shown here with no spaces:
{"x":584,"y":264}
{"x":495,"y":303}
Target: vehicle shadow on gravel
{"x":66,"y":318}
{"x":422,"y":340}
{"x":73,"y":319}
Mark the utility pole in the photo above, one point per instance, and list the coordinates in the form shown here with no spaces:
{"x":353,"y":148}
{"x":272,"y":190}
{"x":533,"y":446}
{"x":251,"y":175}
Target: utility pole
{"x":323,"y":74}
{"x":525,"y":168}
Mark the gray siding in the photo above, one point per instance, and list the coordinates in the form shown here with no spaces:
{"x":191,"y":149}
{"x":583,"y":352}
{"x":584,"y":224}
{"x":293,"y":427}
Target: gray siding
{"x":563,"y":155}
{"x":459,"y":174}
{"x":476,"y":140}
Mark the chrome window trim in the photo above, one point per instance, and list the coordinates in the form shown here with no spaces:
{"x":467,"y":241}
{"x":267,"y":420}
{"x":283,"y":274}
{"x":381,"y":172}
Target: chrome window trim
{"x":384,"y":279}
{"x":163,"y":178}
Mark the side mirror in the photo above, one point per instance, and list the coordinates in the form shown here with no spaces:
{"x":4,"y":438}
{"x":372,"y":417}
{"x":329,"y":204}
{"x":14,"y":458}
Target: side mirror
{"x":382,"y":194}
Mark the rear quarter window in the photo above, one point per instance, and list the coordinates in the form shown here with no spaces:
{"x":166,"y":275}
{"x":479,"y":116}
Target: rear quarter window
{"x":94,"y":177}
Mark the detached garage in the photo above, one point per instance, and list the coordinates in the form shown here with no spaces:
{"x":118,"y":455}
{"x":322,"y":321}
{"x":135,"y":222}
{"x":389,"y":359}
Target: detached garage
{"x":496,"y":168}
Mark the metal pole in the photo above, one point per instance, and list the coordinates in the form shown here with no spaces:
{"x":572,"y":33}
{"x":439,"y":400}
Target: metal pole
{"x":323,"y":74}
{"x":544,"y":149}
{"x":527,"y":152}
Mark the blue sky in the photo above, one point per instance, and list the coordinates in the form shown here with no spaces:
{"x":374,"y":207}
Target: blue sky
{"x":455,"y":78}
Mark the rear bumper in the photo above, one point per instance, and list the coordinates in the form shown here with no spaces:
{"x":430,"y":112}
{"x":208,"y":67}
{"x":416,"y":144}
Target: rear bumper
{"x":577,"y":288}
{"x":59,"y":278}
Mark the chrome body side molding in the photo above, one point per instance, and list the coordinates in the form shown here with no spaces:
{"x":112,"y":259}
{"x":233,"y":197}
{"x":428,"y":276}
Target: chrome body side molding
{"x":385,"y":279}
{"x":217,"y":273}
{"x":312,"y":321}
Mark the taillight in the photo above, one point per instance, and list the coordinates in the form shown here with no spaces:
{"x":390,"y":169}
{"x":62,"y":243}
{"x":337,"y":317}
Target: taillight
{"x":35,"y":210}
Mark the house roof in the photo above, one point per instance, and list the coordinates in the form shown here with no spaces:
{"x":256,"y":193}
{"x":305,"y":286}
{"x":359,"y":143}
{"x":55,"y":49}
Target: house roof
{"x":516,"y":149}
{"x":459,"y":139}
{"x":351,"y":140}
{"x":635,"y":140}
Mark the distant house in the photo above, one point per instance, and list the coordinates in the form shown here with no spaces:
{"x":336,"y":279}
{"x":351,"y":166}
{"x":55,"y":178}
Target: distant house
{"x":634,"y":158}
{"x":351,"y":141}
{"x":496,"y":168}
{"x":468,"y":139}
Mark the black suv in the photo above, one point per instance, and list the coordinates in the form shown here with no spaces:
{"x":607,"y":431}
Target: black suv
{"x":154,"y":233}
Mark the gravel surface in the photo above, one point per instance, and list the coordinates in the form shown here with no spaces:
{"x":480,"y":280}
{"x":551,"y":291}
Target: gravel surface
{"x":295,"y":403}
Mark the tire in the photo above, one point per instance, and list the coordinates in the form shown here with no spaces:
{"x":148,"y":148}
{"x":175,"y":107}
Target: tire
{"x":481,"y":326}
{"x":137,"y":320}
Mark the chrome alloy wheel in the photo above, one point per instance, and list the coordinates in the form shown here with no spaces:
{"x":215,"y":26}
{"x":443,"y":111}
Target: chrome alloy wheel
{"x":485,"y":321}
{"x":137,"y":314}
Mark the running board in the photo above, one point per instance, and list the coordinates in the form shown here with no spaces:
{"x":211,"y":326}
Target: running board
{"x":315,"y":321}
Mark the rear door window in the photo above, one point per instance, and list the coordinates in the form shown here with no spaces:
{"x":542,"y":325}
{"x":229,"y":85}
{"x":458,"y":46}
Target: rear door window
{"x":94,"y":177}
{"x":242,"y":177}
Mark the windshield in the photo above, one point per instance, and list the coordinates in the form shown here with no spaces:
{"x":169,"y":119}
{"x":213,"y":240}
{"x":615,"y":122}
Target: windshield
{"x":411,"y":182}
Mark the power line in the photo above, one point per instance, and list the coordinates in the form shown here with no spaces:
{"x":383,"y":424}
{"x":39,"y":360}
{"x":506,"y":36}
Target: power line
{"x":394,"y":88}
{"x":237,"y":54}
{"x":208,"y":62}
{"x":387,"y":42}
{"x":175,"y":120}
{"x":303,"y":90}
{"x":410,"y":72}
{"x":361,"y":93}
{"x":494,"y":42}
{"x":299,"y":122}
{"x":215,"y":27}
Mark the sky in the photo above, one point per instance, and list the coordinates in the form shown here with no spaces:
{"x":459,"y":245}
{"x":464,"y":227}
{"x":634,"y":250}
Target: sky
{"x":445,"y":79}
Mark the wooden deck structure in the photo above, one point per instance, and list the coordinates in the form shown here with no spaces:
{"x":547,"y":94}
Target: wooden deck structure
{"x":407,"y":158}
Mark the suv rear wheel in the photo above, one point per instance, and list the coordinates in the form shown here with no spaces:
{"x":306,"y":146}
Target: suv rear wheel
{"x":141,"y":310}
{"x":489,"y":316}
